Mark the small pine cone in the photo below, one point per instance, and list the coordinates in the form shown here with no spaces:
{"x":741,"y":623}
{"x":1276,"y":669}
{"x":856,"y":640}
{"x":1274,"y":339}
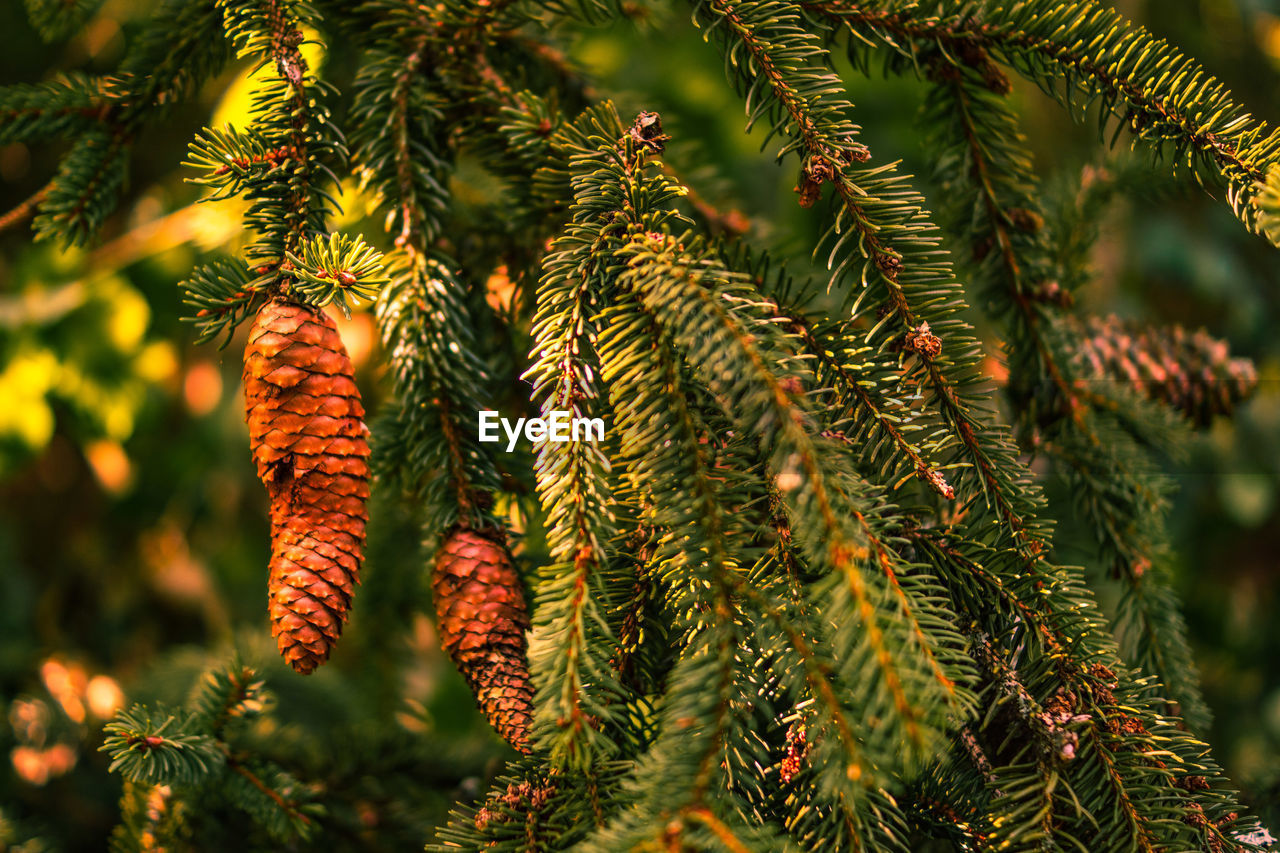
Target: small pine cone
{"x":923,"y":342}
{"x":482,"y":619}
{"x":797,"y":751}
{"x":309,"y":440}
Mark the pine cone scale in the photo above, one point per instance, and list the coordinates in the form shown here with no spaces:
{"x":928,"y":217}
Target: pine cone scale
{"x":315,"y":587}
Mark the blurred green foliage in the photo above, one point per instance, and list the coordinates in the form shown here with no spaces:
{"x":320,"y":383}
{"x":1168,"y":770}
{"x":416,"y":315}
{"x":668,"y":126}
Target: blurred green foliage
{"x":134,"y":538}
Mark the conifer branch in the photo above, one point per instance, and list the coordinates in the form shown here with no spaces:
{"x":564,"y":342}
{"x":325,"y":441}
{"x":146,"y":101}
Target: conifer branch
{"x":818,"y":673}
{"x":1127,"y":70}
{"x":87,"y":183}
{"x":32,"y":112}
{"x":439,"y":381}
{"x":401,"y":154}
{"x":574,"y":487}
{"x":987,"y":176}
{"x":109,"y":112}
{"x":855,"y":396}
{"x":798,"y":114}
{"x":841,"y":554}
{"x":289,"y":807}
{"x":288,"y":205}
{"x":823,"y":138}
{"x":1001,"y":221}
{"x":681,"y":289}
{"x":189,"y":751}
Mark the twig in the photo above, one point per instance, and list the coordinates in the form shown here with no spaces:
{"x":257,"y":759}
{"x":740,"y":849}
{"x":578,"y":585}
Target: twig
{"x":289,"y":807}
{"x":25,"y":210}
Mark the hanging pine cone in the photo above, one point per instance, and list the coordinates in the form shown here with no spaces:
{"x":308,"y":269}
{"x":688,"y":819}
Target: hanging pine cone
{"x":482,"y":618}
{"x":1190,"y":371}
{"x":308,"y":437}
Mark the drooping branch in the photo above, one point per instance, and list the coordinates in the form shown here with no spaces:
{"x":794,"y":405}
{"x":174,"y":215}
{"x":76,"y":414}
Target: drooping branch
{"x":1085,"y":47}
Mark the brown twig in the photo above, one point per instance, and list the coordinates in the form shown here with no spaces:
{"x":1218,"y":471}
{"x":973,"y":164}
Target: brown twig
{"x":289,"y":807}
{"x":25,"y":210}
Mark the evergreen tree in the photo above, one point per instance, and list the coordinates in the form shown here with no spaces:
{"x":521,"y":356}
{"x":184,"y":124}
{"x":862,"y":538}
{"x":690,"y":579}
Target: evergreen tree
{"x":805,"y":592}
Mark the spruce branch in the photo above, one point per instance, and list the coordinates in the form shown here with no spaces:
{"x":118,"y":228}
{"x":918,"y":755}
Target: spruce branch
{"x":426,"y":322}
{"x":396,"y":143}
{"x":286,"y":817}
{"x":1084,"y":53}
{"x":986,"y":175}
{"x":439,"y":383}
{"x":290,"y":201}
{"x":85,"y":188}
{"x":223,"y":293}
{"x":869,"y":216}
{"x":186,"y":755}
{"x":667,"y":459}
{"x":674,"y":285}
{"x":231,"y":694}
{"x":160,"y":748}
{"x":337,"y":270}
{"x":30,"y":112}
{"x":109,"y":112}
{"x":886,"y":220}
{"x":992,"y":168}
{"x":857,"y":398}
{"x":58,"y":19}
{"x":795,"y":453}
{"x":233,"y":160}
{"x":574,"y":487}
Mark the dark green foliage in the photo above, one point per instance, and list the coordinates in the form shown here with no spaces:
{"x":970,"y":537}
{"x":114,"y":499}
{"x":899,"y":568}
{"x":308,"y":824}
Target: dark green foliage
{"x":57,"y":19}
{"x":180,"y":49}
{"x":1087,"y":55}
{"x":291,"y":131}
{"x":807,"y":592}
{"x":86,"y":187}
{"x":40,"y":111}
{"x":221,"y":295}
{"x":189,"y":761}
{"x":440,"y":383}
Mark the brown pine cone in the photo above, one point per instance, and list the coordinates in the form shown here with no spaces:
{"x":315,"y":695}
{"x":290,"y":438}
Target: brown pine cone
{"x":308,"y":437}
{"x":1190,"y":371}
{"x":482,"y":619}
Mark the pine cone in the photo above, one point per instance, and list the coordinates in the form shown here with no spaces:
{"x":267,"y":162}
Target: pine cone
{"x":308,"y":437}
{"x":482,"y":619}
{"x":1192,"y":372}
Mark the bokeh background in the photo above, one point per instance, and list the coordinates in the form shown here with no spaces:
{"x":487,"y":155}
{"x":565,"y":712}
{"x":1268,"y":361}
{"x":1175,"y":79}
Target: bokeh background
{"x":133,"y":534}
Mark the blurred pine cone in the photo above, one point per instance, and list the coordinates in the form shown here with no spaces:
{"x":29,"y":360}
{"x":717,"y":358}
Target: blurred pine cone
{"x":1190,"y":371}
